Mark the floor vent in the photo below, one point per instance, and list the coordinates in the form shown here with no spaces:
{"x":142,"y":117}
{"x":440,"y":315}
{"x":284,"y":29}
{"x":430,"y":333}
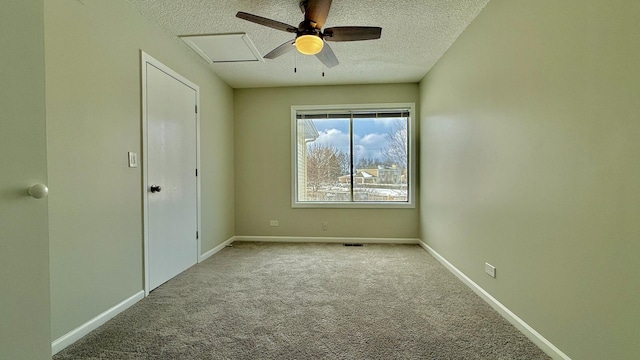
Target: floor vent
{"x":352,"y":244}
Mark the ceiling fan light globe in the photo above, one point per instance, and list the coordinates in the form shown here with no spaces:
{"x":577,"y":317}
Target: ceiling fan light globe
{"x":309,"y":44}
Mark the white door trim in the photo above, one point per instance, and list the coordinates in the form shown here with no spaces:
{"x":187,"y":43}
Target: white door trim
{"x":147,"y":59}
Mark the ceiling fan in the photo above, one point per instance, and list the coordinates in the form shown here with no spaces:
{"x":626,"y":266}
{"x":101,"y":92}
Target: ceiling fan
{"x":310,"y":39}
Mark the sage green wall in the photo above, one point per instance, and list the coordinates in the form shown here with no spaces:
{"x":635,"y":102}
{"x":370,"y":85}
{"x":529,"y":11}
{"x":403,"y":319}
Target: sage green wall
{"x":263,"y":165}
{"x":24,"y":247}
{"x":93,"y":120}
{"x":531,"y":162}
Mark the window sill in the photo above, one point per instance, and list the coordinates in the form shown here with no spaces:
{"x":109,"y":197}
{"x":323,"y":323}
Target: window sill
{"x":350,"y":205}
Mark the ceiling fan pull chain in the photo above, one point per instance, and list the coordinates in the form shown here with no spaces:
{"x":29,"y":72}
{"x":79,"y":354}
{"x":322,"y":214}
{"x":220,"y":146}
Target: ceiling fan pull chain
{"x":295,"y":63}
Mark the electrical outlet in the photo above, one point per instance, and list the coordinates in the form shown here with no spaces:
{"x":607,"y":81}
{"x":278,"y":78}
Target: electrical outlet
{"x":325,"y":226}
{"x":490,"y":270}
{"x":273,"y":222}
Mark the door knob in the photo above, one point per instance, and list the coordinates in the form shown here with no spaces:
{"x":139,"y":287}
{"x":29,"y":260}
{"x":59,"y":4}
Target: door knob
{"x":155,"y":188}
{"x":38,"y":191}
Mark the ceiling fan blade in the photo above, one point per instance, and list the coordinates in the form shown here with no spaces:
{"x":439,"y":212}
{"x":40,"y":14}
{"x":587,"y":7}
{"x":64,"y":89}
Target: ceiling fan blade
{"x":316,"y":12}
{"x":352,"y":33}
{"x":327,"y":57}
{"x":267,"y":22}
{"x":281,"y":50}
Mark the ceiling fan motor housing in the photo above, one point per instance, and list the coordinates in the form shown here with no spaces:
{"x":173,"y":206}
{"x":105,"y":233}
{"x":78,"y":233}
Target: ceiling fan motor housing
{"x":307,"y":27}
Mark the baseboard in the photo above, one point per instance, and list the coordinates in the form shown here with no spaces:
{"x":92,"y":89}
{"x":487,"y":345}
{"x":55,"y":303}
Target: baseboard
{"x":211,"y":252}
{"x":524,"y":328}
{"x":299,"y":239}
{"x":77,"y":333}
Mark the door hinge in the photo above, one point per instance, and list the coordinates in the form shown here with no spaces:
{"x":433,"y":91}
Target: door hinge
{"x":197,"y":235}
{"x":196,"y":109}
{"x":196,"y":172}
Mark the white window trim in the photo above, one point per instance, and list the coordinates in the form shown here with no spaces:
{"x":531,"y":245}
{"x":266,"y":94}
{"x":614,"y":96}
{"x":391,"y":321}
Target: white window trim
{"x":410,"y":204}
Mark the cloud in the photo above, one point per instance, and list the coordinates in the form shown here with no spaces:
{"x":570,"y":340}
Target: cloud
{"x":369,"y":146}
{"x":372,"y":140}
{"x":334,"y":137}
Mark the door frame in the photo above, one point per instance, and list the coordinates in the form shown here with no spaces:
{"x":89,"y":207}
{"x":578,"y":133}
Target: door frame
{"x":146,"y":60}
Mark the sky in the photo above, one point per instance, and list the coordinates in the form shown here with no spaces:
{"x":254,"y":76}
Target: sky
{"x":370,"y":135}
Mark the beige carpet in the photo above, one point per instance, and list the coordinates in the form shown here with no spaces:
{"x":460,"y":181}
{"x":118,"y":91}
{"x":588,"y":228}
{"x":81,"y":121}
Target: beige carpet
{"x":309,"y":301}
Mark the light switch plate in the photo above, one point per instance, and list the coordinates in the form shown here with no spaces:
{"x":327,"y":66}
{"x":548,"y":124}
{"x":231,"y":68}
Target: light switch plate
{"x":133,"y":160}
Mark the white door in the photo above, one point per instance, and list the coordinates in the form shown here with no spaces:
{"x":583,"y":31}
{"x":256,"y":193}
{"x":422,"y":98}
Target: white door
{"x":171,"y":175}
{"x":25,"y":312}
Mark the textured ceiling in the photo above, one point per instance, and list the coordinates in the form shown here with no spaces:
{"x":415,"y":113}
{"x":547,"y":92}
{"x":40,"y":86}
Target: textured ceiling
{"x":415,"y":34}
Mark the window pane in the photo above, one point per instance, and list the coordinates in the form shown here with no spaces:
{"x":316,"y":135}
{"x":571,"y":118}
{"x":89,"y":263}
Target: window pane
{"x":380,"y":159}
{"x":324,"y":160}
{"x":355,"y":156}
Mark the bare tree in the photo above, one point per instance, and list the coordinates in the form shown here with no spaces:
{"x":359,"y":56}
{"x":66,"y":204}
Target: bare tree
{"x":367,"y":163}
{"x":325,"y":164}
{"x":396,"y":150}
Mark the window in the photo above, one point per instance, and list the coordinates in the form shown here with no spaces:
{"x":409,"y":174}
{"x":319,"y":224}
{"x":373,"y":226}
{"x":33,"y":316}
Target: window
{"x":353,"y":156}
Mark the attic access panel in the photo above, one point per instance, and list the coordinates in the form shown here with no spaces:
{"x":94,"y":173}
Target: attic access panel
{"x":222,"y":48}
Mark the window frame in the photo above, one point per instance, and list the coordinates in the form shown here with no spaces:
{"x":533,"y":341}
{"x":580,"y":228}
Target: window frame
{"x":411,"y":163}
